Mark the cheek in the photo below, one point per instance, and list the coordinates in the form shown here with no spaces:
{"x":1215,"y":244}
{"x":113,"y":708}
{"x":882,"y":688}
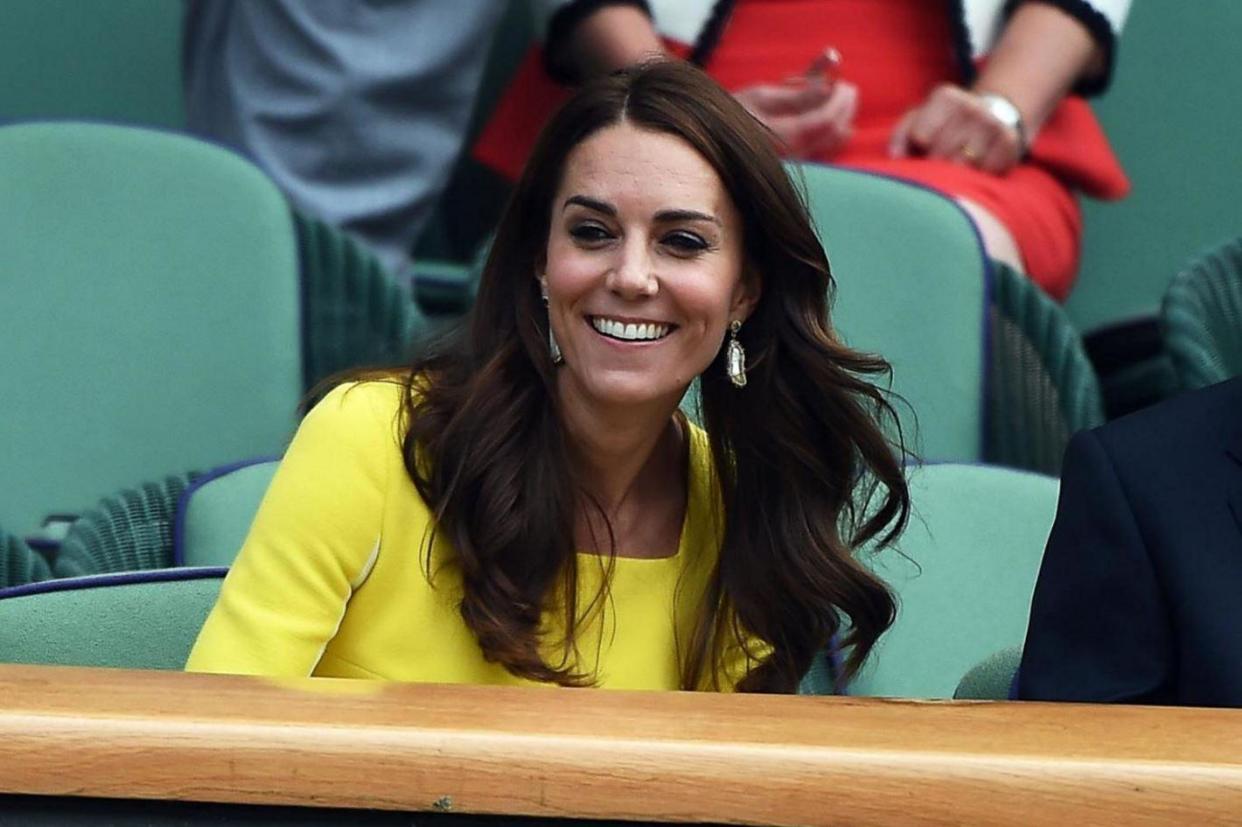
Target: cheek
{"x":570,"y":272}
{"x":706,"y":300}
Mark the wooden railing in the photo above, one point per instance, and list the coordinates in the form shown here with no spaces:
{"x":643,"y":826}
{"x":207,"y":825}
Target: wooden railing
{"x":624,"y":755}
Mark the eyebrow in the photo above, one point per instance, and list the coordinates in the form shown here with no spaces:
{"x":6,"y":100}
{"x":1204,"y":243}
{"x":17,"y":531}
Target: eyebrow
{"x":661,"y":216}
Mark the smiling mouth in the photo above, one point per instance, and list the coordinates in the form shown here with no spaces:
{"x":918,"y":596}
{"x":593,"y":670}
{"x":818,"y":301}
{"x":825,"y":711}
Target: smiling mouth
{"x":630,"y":331}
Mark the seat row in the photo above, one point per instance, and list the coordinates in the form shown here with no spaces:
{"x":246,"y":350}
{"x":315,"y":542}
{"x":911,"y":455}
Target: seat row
{"x":964,"y":572}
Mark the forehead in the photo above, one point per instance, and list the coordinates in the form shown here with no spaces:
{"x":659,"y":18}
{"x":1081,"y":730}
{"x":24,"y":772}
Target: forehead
{"x":628,"y":166}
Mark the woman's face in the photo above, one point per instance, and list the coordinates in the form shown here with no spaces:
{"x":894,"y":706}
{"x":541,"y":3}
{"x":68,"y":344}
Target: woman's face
{"x":644,"y":268}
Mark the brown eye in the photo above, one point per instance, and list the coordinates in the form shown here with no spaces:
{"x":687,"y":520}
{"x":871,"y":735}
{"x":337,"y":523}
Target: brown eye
{"x":685,"y":242}
{"x":590,"y":233}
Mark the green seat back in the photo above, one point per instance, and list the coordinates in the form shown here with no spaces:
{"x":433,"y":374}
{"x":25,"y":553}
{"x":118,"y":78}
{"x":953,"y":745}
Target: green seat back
{"x":20,"y":564}
{"x":152,"y":316}
{"x":356,"y":313}
{"x":911,"y":286}
{"x":964,"y":585}
{"x":1183,"y":164}
{"x":1201,"y":318}
{"x":143,"y":620}
{"x":1042,"y":388}
{"x":216,"y":513}
{"x":131,"y":530}
{"x":991,"y":678}
{"x":118,"y":60}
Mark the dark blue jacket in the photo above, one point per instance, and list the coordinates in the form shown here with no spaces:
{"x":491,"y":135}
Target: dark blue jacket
{"x":1139,"y":596}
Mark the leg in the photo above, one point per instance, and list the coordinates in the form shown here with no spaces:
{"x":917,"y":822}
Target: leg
{"x":997,"y":240}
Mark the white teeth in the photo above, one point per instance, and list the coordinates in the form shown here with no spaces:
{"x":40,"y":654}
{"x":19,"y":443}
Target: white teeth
{"x":647,"y":331}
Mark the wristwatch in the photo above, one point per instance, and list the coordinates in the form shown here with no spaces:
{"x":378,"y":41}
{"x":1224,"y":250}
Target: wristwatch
{"x":1004,"y":110}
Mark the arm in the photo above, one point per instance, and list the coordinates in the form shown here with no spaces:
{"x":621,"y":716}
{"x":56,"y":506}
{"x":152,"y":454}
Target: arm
{"x":1099,"y":628}
{"x":586,"y":39}
{"x":1042,"y":53}
{"x":312,"y":542}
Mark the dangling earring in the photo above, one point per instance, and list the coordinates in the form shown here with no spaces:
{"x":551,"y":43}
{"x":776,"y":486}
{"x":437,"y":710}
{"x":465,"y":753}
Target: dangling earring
{"x":553,"y":347}
{"x":735,"y":356}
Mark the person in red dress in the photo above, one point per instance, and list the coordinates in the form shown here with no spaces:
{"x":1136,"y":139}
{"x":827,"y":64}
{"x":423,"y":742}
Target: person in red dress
{"x":1002,"y":134}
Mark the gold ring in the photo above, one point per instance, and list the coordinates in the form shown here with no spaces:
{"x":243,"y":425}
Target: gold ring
{"x":969,"y":154}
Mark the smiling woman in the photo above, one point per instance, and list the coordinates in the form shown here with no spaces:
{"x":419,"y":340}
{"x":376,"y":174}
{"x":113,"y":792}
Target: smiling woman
{"x":527,"y":504}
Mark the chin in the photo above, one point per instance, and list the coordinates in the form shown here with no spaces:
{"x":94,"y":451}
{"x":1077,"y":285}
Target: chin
{"x":624,"y":389}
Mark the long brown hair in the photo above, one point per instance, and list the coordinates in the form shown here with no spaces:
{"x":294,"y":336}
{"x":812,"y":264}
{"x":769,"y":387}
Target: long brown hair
{"x":806,"y":472}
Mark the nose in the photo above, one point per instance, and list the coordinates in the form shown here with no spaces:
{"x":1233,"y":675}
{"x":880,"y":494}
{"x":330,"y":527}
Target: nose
{"x":632,"y":276}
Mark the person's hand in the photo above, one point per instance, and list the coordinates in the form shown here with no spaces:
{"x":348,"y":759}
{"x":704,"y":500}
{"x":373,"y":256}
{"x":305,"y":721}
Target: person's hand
{"x":956,"y":125}
{"x":812,"y":119}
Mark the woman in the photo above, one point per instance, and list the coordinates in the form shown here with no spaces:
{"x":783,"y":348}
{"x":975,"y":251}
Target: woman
{"x":539,"y":510}
{"x":977,"y":99}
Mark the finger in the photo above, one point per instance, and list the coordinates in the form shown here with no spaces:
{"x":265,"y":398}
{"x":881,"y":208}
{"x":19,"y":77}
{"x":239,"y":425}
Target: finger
{"x":780,"y":100}
{"x":899,"y":141}
{"x":826,"y":128}
{"x":930,"y":119}
{"x":980,"y":151}
{"x":1001,"y":156}
{"x":957,"y":139}
{"x":840,"y":113}
{"x":787,"y":133}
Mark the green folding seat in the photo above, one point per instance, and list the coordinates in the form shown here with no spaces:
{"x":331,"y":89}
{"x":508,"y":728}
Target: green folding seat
{"x":136,"y":620}
{"x":152,"y":313}
{"x":911,"y":286}
{"x":1201,"y":318}
{"x":963,"y":571}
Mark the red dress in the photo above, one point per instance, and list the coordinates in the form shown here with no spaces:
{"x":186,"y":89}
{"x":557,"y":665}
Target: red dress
{"x":896,"y":52}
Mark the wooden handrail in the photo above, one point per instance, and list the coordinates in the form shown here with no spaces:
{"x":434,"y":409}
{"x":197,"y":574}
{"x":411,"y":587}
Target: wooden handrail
{"x":625,"y":755}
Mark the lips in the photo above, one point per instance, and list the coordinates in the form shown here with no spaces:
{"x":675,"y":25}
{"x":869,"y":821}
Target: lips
{"x":628,"y":331}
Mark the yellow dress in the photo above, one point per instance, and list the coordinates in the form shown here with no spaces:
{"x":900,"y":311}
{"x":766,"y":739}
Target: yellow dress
{"x":331,"y":579}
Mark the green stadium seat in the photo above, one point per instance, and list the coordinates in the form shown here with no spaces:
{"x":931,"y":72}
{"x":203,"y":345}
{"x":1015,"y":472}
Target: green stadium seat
{"x":192,"y":520}
{"x":118,"y":60}
{"x":152,"y":312}
{"x":20,"y":564}
{"x":1201,"y":318}
{"x":963,"y":571}
{"x":137,"y":620}
{"x":128,"y":531}
{"x":912,"y":286}
{"x":355,"y":313}
{"x":1041,"y":386}
{"x":991,"y":678}
{"x":215,"y":514}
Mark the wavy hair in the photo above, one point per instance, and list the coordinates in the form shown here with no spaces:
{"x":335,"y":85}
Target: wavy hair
{"x":806,"y":471}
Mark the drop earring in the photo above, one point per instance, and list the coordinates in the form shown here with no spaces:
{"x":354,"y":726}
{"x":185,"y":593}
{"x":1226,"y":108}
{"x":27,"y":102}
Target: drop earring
{"x":553,"y":348}
{"x":735,"y":356}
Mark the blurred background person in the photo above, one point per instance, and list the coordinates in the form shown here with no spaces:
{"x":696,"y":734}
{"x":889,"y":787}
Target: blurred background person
{"x":979,"y":100}
{"x":356,"y":108}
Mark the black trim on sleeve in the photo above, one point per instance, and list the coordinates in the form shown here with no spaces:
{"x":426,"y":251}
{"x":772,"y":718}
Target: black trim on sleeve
{"x":1101,"y":31}
{"x":561,"y":27}
{"x":962,"y":50}
{"x":713,"y":29}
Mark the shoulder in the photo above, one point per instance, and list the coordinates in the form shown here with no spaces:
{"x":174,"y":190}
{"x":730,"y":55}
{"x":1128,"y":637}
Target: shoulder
{"x":1179,"y":429}
{"x":368,"y":410}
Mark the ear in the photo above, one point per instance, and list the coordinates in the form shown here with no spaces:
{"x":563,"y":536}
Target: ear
{"x":746,"y":295}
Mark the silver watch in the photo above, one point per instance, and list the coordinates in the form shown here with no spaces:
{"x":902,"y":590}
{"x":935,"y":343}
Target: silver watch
{"x":1004,"y":110}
